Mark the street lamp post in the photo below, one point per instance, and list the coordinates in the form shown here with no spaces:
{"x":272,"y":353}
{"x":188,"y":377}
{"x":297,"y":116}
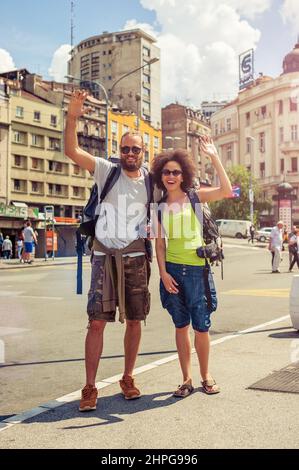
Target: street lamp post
{"x":173,"y":139}
{"x":251,"y":194}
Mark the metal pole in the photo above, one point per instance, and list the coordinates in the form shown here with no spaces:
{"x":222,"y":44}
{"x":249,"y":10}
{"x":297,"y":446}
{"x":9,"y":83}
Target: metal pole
{"x":251,"y":195}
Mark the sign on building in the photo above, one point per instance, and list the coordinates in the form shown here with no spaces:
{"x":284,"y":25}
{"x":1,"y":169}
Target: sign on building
{"x":246,"y":69}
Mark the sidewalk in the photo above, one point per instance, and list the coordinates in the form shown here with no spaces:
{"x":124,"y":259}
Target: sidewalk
{"x":38,"y":262}
{"x":238,"y":417}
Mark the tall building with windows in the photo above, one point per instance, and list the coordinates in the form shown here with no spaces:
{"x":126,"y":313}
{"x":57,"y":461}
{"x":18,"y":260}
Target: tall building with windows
{"x":260,"y":130}
{"x":181,"y":128}
{"x":109,"y":56}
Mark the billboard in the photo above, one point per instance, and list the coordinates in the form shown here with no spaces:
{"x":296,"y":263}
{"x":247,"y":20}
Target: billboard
{"x":246,"y":69}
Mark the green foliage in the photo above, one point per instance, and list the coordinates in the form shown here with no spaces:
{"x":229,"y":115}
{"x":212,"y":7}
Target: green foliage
{"x":239,"y":208}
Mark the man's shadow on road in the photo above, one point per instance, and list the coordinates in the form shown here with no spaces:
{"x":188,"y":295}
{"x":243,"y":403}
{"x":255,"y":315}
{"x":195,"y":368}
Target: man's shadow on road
{"x":108,"y":409}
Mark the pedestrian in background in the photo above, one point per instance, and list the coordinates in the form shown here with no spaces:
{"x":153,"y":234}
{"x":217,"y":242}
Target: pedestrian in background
{"x":275,"y":246}
{"x":252,"y":232}
{"x":7,"y":248}
{"x":294,"y":248}
{"x":29,"y":238}
{"x":20,"y":246}
{"x":291,"y":243}
{"x":1,"y":243}
{"x":185,"y":285}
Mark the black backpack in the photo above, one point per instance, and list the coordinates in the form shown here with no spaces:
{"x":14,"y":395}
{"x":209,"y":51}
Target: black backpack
{"x":89,"y":218}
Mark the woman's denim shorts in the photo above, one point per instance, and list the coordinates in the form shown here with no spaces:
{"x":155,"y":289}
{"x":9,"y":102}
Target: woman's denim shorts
{"x":191,"y":301}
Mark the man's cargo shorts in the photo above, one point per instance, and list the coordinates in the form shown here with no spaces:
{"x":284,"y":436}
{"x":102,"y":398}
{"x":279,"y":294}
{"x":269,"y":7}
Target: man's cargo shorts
{"x":137,"y":296}
{"x":191,"y":302}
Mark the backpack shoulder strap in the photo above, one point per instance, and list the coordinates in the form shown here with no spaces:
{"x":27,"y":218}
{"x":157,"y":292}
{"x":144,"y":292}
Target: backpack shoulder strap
{"x":110,"y":182}
{"x":196,"y":205}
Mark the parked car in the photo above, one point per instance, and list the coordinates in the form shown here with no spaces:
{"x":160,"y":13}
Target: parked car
{"x":263,"y":234}
{"x":234,"y":228}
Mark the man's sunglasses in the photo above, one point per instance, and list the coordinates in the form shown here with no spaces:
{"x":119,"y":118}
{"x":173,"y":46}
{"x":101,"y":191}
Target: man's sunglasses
{"x":126,"y":150}
{"x":171,"y":172}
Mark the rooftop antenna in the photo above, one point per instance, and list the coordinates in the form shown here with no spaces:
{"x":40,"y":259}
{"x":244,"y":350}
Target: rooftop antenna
{"x":72,"y":22}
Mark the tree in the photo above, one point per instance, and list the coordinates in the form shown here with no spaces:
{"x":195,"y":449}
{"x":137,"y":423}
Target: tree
{"x":239,"y":208}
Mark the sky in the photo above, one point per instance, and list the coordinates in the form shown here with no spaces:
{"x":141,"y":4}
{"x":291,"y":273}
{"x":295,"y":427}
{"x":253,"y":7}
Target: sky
{"x":200,"y":40}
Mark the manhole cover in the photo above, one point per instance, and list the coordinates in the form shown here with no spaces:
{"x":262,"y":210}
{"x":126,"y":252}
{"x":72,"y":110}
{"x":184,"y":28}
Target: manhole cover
{"x":283,"y":380}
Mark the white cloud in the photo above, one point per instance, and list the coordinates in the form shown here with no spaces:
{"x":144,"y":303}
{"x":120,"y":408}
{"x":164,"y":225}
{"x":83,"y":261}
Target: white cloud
{"x":290,"y":13}
{"x":148,"y":28}
{"x":6,"y":61}
{"x":58,"y":68}
{"x":200,"y":42}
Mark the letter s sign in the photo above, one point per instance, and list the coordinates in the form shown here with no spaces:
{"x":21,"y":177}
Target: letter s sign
{"x":246,"y":63}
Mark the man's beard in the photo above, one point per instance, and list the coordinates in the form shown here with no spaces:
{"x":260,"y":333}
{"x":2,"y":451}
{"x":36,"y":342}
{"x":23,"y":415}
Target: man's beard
{"x":134,"y":166}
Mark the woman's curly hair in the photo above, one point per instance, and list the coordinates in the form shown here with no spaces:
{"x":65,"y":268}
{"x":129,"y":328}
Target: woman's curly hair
{"x":179,"y":156}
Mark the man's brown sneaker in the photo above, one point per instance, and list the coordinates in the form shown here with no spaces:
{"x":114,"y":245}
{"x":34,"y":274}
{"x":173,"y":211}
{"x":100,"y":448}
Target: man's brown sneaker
{"x":128,"y":388}
{"x":89,"y":396}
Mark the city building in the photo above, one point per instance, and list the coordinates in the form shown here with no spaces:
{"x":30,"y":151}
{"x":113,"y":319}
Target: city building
{"x":108,"y":57}
{"x":122,"y":122}
{"x":260,"y":130}
{"x":210,"y":107}
{"x":181,"y":128}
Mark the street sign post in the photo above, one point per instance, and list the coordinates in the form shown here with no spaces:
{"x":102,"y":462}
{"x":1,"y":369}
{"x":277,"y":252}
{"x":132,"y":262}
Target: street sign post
{"x":49,"y":217}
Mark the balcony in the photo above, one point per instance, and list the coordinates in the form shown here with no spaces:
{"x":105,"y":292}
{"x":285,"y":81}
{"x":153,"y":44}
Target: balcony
{"x":289,"y":146}
{"x":262,"y":120}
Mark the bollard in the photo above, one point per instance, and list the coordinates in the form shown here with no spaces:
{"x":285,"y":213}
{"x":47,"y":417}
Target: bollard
{"x":294,"y":302}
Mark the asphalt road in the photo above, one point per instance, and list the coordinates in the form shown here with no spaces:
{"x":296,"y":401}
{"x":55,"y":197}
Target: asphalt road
{"x":43,"y":321}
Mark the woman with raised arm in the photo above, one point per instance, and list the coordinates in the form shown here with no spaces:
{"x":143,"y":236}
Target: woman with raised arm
{"x":182,"y":285}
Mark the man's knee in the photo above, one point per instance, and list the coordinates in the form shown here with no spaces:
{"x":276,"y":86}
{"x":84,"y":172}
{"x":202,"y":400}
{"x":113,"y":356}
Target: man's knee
{"x":97,"y":326}
{"x":133,"y":324}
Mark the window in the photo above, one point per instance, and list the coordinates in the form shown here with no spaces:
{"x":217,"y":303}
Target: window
{"x":114,"y":146}
{"x":146,"y":78}
{"x":294,"y":165}
{"x":248,"y":145}
{"x":146,"y":51}
{"x":19,"y":137}
{"x":280,"y":107}
{"x":114,"y":127}
{"x":247,"y":119}
{"x":262,"y":141}
{"x":37,"y":140}
{"x":17,"y":160}
{"x":34,"y":186}
{"x":156,"y":142}
{"x":53,"y":120}
{"x":293,"y":104}
{"x":263,"y":111}
{"x":282,"y":165}
{"x":146,"y":156}
{"x":294,"y":133}
{"x":19,"y":112}
{"x":281,"y":135}
{"x":51,"y":166}
{"x":228,"y":124}
{"x":146,"y":138}
{"x":125,"y":129}
{"x":104,"y":52}
{"x":36,"y":116}
{"x":76,"y":170}
{"x":262,"y":169}
{"x":54,"y":144}
{"x":229,"y":152}
{"x":58,"y":188}
{"x":17,"y":185}
{"x":58,"y":167}
{"x":146,"y":92}
{"x":216,"y":129}
{"x":75,"y":191}
{"x":34,"y":163}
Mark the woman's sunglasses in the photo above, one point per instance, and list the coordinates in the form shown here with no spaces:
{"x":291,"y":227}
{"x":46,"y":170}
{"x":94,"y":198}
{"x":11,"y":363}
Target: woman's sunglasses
{"x":126,"y":150}
{"x":171,"y":172}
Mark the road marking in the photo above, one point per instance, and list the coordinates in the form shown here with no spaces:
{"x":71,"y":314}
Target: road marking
{"x":17,"y":419}
{"x":6,"y":331}
{"x":241,"y":247}
{"x":19,"y":295}
{"x":282,"y":293}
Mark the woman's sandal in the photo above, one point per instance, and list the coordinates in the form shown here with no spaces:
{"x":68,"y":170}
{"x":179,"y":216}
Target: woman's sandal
{"x":210,"y":387}
{"x":183,"y":391}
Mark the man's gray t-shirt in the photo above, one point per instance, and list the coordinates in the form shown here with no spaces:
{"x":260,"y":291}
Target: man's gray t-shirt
{"x":28,"y":234}
{"x":122,"y":215}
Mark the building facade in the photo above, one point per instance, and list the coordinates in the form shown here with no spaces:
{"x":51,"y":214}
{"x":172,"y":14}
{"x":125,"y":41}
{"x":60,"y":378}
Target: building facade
{"x":181,"y":128}
{"x":4,"y":140}
{"x":260,"y":130}
{"x":121,"y":122}
{"x":109,"y":56}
